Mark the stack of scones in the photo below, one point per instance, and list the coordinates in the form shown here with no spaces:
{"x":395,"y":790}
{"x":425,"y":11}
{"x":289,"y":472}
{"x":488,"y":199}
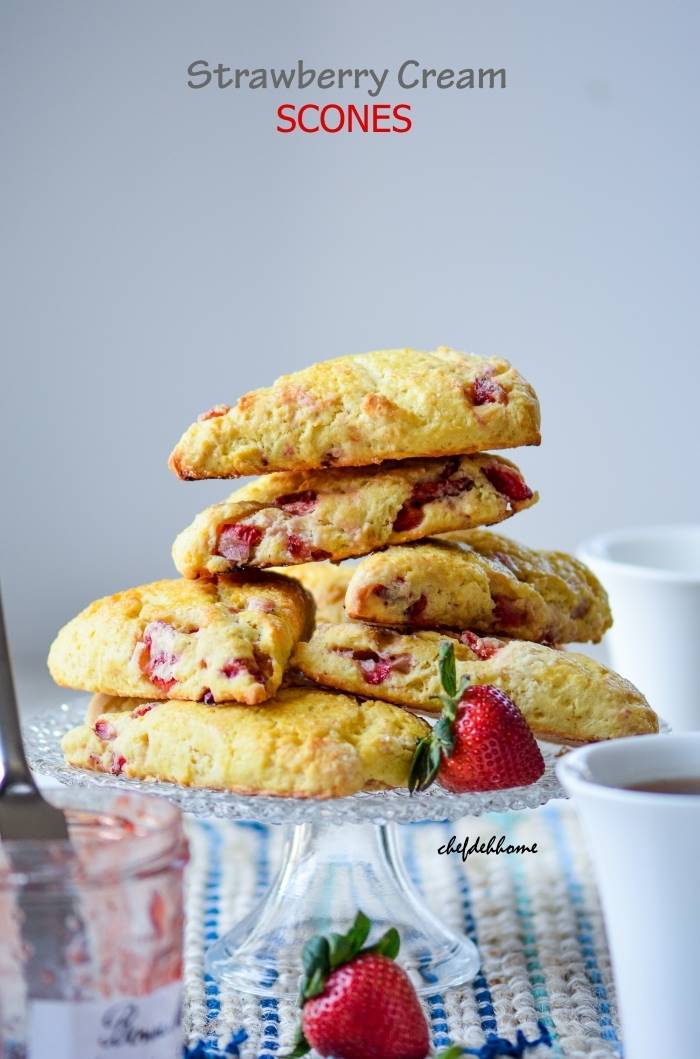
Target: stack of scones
{"x":271,"y":666}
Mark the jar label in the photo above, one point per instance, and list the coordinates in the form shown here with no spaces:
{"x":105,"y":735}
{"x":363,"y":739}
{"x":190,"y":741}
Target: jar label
{"x":144,"y":1027}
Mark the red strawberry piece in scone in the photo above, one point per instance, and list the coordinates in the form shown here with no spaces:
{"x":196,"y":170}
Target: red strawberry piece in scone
{"x":238,"y":541}
{"x":213,"y":413}
{"x":416,"y":610}
{"x":298,"y":503}
{"x":104,"y":730}
{"x":376,"y":667}
{"x":117,"y":765}
{"x":447,"y":484}
{"x":485,"y":390}
{"x":142,"y":709}
{"x":259,"y":668}
{"x":481,"y":741}
{"x":507,"y":612}
{"x":237,"y":667}
{"x":508,"y":482}
{"x":409,"y":516}
{"x":484,"y":647}
{"x":357,"y":1002}
{"x":302,"y":550}
{"x":158,"y":658}
{"x":392,"y":592}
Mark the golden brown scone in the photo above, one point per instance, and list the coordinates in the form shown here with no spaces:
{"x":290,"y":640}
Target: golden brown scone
{"x":357,"y":410}
{"x":221,"y":640}
{"x":327,"y":583}
{"x":486,"y":583}
{"x":282,"y":519}
{"x":305,"y":743}
{"x":565,"y":697}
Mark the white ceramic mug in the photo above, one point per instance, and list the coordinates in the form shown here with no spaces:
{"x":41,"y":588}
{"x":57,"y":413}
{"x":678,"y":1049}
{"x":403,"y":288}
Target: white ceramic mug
{"x":646,"y":855}
{"x":652,"y":575}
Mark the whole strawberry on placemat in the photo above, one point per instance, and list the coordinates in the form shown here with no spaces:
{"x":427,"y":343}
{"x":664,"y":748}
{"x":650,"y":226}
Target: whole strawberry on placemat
{"x":481,"y":741}
{"x":357,"y":1003}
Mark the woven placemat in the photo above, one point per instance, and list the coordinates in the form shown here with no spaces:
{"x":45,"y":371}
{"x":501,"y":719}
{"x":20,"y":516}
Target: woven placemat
{"x":534,"y":916}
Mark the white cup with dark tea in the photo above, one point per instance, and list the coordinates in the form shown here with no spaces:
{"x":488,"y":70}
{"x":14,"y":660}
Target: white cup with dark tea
{"x":639,"y":803}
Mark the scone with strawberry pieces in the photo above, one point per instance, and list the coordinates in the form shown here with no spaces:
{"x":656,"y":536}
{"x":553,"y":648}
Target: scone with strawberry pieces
{"x":358,"y":410}
{"x":484,"y":582}
{"x":221,"y":640}
{"x":304,"y":743}
{"x":283,"y":519}
{"x":565,"y":697}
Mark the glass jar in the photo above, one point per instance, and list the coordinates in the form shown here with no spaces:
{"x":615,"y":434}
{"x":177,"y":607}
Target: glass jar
{"x":91,"y":933}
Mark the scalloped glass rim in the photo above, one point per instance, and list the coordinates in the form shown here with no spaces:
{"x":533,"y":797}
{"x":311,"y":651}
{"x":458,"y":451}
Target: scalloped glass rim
{"x":43,"y":732}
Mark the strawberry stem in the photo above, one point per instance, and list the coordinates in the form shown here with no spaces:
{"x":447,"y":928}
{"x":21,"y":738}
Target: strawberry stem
{"x":431,"y":748}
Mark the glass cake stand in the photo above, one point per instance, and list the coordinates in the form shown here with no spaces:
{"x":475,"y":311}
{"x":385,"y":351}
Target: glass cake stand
{"x":342,"y":855}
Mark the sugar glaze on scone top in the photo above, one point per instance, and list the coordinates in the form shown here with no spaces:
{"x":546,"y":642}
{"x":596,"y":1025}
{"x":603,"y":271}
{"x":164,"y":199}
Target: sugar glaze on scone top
{"x":362,"y":409}
{"x":305,"y":743}
{"x":219,"y":640}
{"x":287,"y":518}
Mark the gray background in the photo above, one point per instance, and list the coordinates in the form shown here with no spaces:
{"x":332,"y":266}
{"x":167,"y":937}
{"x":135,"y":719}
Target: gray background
{"x":166,"y":249}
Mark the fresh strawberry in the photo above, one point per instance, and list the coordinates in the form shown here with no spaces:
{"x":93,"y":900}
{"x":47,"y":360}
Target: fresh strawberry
{"x":481,"y":741}
{"x":356,"y":1002}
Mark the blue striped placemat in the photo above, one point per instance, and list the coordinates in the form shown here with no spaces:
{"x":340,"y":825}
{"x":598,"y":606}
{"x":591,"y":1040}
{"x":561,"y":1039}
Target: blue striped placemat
{"x":534,"y":916}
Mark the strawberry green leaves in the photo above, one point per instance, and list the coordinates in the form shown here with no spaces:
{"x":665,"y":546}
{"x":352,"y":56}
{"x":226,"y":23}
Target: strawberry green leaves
{"x":388,"y":945}
{"x":448,"y":670}
{"x":430,"y":749}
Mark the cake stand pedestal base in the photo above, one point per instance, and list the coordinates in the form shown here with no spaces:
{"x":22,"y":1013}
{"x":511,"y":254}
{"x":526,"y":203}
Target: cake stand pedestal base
{"x":342,"y":858}
{"x":329,"y":872}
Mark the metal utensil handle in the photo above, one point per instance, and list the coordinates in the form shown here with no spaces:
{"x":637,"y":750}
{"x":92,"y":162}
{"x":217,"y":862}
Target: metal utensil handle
{"x":12,"y":758}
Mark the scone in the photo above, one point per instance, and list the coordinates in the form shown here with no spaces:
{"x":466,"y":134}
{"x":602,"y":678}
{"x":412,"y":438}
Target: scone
{"x":282,"y":519}
{"x":305,"y":743}
{"x":327,"y":583}
{"x":565,"y":697}
{"x":221,"y":640}
{"x":357,"y":410}
{"x":487,"y":584}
